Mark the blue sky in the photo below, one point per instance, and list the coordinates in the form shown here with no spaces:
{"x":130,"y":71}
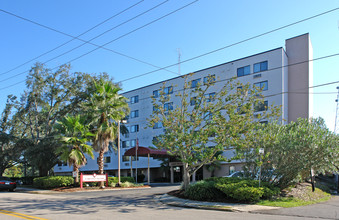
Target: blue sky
{"x":203,"y":26}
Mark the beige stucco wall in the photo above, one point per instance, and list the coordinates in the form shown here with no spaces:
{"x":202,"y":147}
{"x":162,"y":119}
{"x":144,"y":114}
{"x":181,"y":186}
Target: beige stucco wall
{"x":300,"y":74}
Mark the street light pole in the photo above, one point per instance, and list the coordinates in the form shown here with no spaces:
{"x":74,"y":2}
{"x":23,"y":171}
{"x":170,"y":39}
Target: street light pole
{"x":119,"y":182}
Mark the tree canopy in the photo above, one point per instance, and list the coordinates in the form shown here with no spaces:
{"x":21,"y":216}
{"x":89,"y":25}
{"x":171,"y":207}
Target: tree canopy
{"x":200,"y":121}
{"x":293,"y":150}
{"x":49,"y":96}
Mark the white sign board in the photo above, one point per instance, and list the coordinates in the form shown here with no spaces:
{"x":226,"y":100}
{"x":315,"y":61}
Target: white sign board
{"x":74,"y":174}
{"x":94,"y":178}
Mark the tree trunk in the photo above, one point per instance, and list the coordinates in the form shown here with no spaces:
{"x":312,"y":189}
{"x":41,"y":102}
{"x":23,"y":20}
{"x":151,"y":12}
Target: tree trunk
{"x":312,"y":180}
{"x":186,"y":176}
{"x":101,"y":165}
{"x":43,"y":171}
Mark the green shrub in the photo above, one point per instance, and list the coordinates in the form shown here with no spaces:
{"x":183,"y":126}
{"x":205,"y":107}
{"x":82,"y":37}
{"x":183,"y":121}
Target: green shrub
{"x":241,"y":193}
{"x":233,"y":188}
{"x":129,"y":184}
{"x":112,"y":181}
{"x":49,"y":182}
{"x":203,"y":190}
{"x":246,"y":190}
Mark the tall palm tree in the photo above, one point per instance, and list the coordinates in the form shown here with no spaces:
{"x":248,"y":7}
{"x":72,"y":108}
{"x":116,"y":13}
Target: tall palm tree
{"x":106,"y":108}
{"x":74,"y":138}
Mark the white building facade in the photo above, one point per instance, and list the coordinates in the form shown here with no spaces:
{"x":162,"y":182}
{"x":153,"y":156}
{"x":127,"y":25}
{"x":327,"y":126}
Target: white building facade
{"x":284,"y":74}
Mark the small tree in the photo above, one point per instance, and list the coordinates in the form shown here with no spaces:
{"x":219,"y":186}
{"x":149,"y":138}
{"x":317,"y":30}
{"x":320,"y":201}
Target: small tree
{"x":203,"y":123}
{"x":74,"y":138}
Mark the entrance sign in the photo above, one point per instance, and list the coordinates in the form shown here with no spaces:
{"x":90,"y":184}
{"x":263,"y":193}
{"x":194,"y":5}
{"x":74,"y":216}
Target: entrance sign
{"x":93,"y":178}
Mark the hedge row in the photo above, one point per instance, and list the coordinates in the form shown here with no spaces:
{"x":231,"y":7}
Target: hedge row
{"x":236,"y":189}
{"x":48,"y":182}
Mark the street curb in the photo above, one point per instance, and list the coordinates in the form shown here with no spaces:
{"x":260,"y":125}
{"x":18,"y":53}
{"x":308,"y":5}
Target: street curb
{"x":178,"y":202}
{"x":218,"y":206}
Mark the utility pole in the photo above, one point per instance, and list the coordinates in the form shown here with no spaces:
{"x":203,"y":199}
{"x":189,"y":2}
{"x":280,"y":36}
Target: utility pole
{"x":336,"y":122}
{"x":336,"y":129}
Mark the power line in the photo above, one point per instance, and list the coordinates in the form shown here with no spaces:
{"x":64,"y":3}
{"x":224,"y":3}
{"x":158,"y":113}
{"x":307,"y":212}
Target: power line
{"x":236,"y":43}
{"x":98,"y":46}
{"x":222,"y":48}
{"x":52,"y":29}
{"x":269,"y":70}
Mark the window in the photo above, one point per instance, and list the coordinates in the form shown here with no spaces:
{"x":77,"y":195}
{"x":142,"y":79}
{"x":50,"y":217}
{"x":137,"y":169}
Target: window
{"x":125,"y":144}
{"x":155,"y":93}
{"x":157,"y":125}
{"x":232,"y":169}
{"x":155,"y":109}
{"x":194,"y":83}
{"x":168,"y":106}
{"x":262,"y":85}
{"x":134,"y":128}
{"x":128,"y":158}
{"x":258,"y":67}
{"x":193,"y":101}
{"x":133,"y":143}
{"x":134,"y":99}
{"x":209,"y":79}
{"x":210,"y":97}
{"x":243,"y":71}
{"x":135,"y":114}
{"x":107,"y":159}
{"x":168,"y":90}
{"x":261,"y":106}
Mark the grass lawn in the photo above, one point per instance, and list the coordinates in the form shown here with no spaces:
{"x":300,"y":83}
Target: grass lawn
{"x":307,"y":197}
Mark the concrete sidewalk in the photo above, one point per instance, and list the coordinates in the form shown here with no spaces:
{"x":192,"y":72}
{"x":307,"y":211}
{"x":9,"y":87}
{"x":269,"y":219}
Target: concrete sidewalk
{"x":232,"y":207}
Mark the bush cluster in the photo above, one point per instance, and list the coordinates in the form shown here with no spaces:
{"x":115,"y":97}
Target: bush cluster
{"x":48,"y":182}
{"x":236,"y":189}
{"x":112,"y":181}
{"x":202,"y":190}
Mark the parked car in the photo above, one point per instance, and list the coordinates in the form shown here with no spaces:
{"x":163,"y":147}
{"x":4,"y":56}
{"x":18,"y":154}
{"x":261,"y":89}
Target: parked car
{"x":7,"y":183}
{"x":239,"y":174}
{"x":242,"y":174}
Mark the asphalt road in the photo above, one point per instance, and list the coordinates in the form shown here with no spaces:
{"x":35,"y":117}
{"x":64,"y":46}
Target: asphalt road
{"x":129,"y":204}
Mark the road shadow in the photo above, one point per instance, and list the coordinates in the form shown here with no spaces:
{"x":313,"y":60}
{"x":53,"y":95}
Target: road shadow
{"x":85,"y":205}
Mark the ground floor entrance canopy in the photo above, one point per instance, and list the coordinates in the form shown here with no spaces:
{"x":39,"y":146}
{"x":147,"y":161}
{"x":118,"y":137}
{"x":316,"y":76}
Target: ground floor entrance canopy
{"x":146,"y":152}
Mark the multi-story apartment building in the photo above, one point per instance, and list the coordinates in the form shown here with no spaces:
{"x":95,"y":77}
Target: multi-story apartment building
{"x":284,"y":74}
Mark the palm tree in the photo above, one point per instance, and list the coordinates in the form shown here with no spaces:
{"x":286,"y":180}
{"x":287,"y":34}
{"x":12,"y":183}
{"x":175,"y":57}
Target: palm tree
{"x":106,"y":108}
{"x":74,"y":136}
